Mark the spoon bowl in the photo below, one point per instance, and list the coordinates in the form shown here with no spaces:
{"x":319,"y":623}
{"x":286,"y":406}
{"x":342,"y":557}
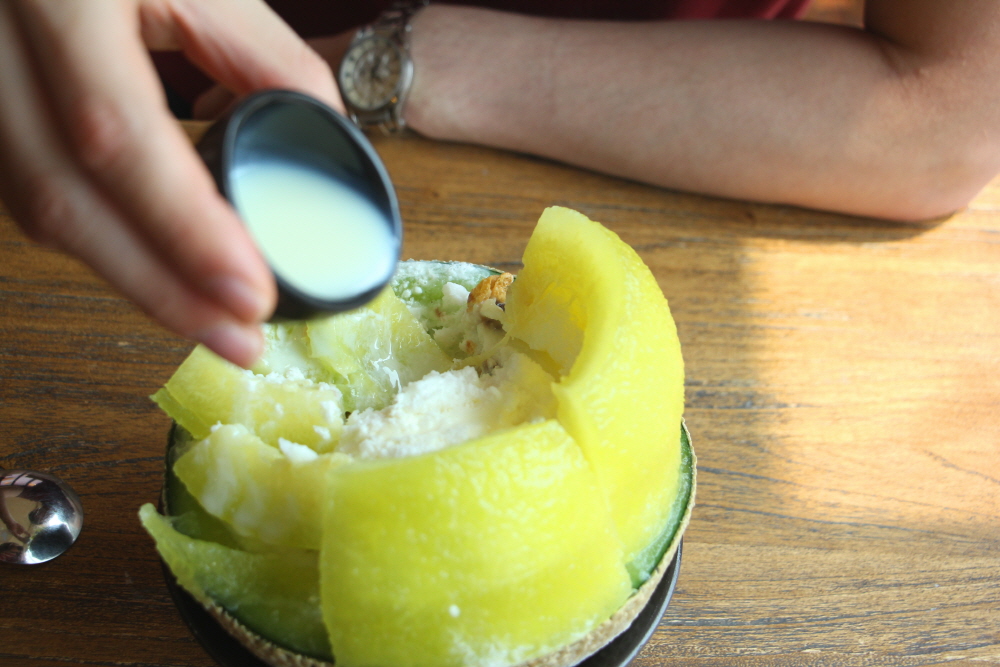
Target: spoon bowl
{"x":40,"y":517}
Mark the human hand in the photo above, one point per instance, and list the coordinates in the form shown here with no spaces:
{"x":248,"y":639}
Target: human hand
{"x":92,"y":163}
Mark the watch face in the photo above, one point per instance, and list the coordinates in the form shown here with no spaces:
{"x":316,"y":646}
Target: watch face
{"x":370,"y":73}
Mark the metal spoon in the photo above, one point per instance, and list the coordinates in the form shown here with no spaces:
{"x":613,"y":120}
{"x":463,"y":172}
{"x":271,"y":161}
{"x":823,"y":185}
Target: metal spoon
{"x":40,"y":517}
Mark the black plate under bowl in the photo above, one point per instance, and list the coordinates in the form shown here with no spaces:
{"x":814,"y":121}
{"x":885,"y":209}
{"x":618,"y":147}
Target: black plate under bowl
{"x":230,"y":653}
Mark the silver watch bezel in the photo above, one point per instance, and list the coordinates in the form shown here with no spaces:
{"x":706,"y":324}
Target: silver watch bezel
{"x":349,"y":79}
{"x":390,"y":31}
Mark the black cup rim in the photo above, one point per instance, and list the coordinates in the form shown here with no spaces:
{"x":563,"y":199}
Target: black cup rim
{"x":217,"y":148}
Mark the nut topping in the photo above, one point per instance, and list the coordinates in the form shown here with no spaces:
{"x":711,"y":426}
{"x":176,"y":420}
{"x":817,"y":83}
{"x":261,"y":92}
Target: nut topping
{"x":491,"y":287}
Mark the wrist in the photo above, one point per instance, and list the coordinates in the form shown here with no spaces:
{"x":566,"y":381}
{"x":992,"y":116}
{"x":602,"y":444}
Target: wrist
{"x":469,"y":81}
{"x":428,"y":42}
{"x":376,"y":72}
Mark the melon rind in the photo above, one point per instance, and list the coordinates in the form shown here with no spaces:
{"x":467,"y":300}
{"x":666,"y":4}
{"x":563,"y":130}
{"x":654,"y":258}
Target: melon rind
{"x":275,"y":594}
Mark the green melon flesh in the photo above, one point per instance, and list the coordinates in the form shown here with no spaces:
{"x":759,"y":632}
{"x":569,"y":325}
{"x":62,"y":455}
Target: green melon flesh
{"x":373,"y":351}
{"x":420,"y":282}
{"x":276,"y":595}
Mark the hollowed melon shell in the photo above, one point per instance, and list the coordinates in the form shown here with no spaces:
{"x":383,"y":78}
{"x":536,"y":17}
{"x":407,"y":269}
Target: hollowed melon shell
{"x":651,"y":540}
{"x":273,"y":652}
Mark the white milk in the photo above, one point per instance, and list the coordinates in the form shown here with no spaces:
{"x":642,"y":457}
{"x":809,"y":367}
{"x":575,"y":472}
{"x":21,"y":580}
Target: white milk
{"x":317,"y":233}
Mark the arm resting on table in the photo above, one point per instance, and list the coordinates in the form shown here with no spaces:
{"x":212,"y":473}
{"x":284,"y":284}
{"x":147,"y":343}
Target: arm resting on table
{"x":899,"y":120}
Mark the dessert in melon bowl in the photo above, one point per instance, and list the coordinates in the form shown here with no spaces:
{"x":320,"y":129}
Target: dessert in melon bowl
{"x":473,"y":470}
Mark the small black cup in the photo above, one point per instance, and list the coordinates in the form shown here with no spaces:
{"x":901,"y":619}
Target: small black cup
{"x":295,"y":128}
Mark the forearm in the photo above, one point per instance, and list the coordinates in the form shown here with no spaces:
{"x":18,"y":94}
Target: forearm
{"x":805,"y":114}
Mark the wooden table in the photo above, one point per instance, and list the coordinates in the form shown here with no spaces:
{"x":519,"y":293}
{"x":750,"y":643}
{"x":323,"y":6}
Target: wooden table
{"x":843,"y":392}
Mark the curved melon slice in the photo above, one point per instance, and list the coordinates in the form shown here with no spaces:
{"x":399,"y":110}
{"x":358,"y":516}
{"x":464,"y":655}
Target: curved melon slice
{"x":275,"y":594}
{"x":489,"y":553}
{"x":207,"y":390}
{"x":257,"y":489}
{"x":587,"y":300}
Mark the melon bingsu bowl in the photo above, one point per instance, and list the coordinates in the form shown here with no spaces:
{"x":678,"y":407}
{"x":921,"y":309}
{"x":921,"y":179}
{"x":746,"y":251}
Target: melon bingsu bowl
{"x":472,"y":470}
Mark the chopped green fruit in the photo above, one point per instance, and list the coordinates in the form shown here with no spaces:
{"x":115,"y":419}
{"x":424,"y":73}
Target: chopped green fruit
{"x":375,"y":350}
{"x":186,"y":513}
{"x":287,"y":349}
{"x":422,"y":282}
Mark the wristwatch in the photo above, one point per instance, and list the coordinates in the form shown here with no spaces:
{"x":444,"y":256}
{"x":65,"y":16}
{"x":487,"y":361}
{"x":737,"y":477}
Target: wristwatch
{"x":377,"y":72}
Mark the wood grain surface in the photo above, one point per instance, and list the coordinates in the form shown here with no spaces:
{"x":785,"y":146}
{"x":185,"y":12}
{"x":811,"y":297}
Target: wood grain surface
{"x":843,"y":392}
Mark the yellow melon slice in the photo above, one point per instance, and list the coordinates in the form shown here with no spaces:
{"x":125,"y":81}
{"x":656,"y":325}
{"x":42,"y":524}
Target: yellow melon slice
{"x":207,"y":390}
{"x":587,"y":300}
{"x":490,"y":553}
